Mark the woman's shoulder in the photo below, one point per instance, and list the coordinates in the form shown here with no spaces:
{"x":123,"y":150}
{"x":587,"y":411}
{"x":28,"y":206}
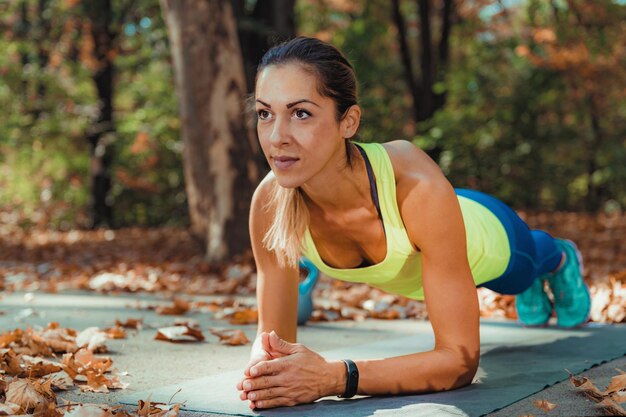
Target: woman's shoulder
{"x":413,"y":169}
{"x":262,"y":193}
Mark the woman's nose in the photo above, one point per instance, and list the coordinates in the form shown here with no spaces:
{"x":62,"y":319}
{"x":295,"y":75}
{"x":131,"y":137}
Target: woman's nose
{"x":280,"y":131}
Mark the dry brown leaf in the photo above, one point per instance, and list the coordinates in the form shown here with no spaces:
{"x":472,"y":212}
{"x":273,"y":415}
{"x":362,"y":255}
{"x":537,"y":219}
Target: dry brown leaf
{"x":87,"y":360}
{"x":93,"y":339}
{"x":96,"y":382}
{"x":231,"y":337}
{"x":611,"y":408}
{"x":90,"y":410}
{"x":59,"y":380}
{"x":116,"y":332}
{"x":585,"y":385}
{"x":164,"y":410}
{"x":617,"y":384}
{"x":149,"y":409}
{"x":131,"y":323}
{"x":179,"y":334}
{"x":10,"y":362}
{"x":6,"y":338}
{"x":60,"y":340}
{"x":26,"y":393}
{"x":544,"y":405}
{"x":179,"y":307}
{"x":248,"y":315}
{"x":38,"y":367}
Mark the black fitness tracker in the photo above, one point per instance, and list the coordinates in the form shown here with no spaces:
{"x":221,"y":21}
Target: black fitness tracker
{"x":352,"y":379}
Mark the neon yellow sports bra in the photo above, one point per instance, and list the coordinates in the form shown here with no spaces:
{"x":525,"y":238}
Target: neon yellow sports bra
{"x":400,"y":272}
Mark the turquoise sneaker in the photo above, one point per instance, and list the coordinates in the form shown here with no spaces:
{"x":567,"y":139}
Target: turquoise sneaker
{"x":572,"y":301}
{"x":533,"y":305}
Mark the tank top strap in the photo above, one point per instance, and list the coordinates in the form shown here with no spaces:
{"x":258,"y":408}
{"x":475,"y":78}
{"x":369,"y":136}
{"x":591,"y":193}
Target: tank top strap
{"x":370,"y":175}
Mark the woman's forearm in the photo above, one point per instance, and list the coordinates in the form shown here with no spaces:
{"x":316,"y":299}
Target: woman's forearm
{"x":436,"y":370}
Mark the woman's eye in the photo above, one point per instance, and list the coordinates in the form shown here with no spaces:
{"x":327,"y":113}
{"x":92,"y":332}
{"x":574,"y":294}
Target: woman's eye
{"x":263,"y":114}
{"x":301,"y":114}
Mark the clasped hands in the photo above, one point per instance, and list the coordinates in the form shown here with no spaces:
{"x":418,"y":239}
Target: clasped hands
{"x":284,"y":374}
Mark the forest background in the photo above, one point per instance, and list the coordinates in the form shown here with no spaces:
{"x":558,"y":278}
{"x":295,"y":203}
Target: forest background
{"x":522,"y":99}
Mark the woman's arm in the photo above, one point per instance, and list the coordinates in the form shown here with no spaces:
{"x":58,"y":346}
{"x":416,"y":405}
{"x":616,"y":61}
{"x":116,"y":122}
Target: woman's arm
{"x":277,"y":299}
{"x":277,"y":288}
{"x":436,"y":227}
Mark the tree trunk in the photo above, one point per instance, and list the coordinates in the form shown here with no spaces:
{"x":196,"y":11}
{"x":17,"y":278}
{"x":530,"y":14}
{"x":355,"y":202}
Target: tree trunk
{"x":433,"y":66}
{"x":405,"y":53}
{"x":220,"y":152}
{"x":101,"y":133}
{"x":270,"y":21}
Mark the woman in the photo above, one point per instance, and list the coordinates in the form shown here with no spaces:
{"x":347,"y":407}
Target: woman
{"x":384,"y":215}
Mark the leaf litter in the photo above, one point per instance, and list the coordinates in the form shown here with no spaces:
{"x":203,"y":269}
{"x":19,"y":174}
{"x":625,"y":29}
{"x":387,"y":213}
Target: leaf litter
{"x":168,"y":260}
{"x":610,"y":399}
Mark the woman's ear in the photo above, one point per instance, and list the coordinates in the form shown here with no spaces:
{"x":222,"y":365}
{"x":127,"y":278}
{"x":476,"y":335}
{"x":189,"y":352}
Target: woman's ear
{"x":350,"y":122}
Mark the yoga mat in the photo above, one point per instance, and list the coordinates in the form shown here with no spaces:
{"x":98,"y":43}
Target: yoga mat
{"x":515,"y":362}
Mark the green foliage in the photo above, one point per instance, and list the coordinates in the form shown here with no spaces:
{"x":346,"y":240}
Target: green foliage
{"x":366,"y":36}
{"x":149,"y":186}
{"x":516,"y":124}
{"x":535,"y":110}
{"x":49,"y":107}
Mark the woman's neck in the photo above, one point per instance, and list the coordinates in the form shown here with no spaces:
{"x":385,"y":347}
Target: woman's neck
{"x":340,"y":187}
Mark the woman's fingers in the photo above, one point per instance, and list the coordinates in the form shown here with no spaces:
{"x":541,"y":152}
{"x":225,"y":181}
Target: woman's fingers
{"x":267,"y":394}
{"x":270,"y":367}
{"x":262,"y":382}
{"x":273,"y":403}
{"x":257,"y":359}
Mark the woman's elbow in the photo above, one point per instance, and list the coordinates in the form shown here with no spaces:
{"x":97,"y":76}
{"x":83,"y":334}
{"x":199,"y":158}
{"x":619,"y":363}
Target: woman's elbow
{"x":466,"y":368}
{"x":463,"y":367}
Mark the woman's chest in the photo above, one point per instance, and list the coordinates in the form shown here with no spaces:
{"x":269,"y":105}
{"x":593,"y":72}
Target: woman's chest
{"x":349,"y":244}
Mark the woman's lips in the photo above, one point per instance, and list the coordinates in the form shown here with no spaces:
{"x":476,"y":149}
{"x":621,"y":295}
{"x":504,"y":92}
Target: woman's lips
{"x":284,"y":162}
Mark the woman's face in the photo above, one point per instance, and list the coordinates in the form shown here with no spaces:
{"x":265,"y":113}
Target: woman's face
{"x":297,"y":127}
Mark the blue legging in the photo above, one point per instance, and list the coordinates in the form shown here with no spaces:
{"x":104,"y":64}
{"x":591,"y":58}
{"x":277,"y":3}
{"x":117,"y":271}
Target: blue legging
{"x":533,"y":252}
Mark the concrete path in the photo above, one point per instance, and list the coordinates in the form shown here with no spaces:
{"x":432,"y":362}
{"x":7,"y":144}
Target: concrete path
{"x":152,"y":363}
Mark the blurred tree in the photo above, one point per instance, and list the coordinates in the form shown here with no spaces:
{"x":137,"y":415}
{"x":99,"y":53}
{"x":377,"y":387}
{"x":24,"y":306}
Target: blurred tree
{"x":220,"y":152}
{"x":261,"y":24}
{"x":101,"y":133}
{"x":426,"y":85}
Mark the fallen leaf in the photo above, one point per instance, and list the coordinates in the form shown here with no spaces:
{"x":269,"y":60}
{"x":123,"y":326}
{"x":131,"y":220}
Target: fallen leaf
{"x":231,"y":337}
{"x":26,"y":394}
{"x":87,"y":360}
{"x":116,"y":332}
{"x":60,"y":340}
{"x":544,"y":405}
{"x":10,"y":362}
{"x":611,"y":408}
{"x":586,"y":386}
{"x":90,"y":410}
{"x":248,"y":315}
{"x":59,"y":380}
{"x":93,"y":339}
{"x":7,"y":338}
{"x":617,"y":384}
{"x":179,"y":307}
{"x":38,"y":367}
{"x":131,"y":323}
{"x":179,"y":334}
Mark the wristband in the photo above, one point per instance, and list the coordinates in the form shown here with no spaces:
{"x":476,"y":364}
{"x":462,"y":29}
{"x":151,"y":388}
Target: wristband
{"x":352,"y":379}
